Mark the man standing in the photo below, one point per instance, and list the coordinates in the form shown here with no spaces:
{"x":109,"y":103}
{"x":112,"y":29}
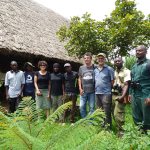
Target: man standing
{"x":104,"y":78}
{"x":140,"y":89}
{"x":70,"y":83}
{"x":120,"y":91}
{"x":29,"y":89}
{"x":86,"y":85}
{"x":14,"y":82}
{"x":56,"y":87}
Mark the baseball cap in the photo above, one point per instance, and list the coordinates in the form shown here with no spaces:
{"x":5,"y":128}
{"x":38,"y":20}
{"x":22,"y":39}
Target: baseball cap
{"x":101,"y":54}
{"x":67,"y":65}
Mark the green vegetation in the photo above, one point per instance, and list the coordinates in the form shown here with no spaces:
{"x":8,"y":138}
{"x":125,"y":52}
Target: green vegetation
{"x":130,"y":61}
{"x":117,"y":34}
{"x":25,"y":130}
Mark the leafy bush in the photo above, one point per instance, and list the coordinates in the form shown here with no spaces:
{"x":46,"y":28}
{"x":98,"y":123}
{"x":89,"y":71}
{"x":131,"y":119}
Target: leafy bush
{"x":130,"y":61}
{"x":24,"y":130}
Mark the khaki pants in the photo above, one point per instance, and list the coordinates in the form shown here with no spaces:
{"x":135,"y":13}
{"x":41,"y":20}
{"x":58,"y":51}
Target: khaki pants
{"x":119,"y":113}
{"x":56,"y":101}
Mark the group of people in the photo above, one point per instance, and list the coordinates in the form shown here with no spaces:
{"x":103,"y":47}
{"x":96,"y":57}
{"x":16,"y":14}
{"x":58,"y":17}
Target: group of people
{"x":99,"y":85}
{"x":49,"y":90}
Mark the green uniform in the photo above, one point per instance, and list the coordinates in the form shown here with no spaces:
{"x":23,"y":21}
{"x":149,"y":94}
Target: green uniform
{"x":140,"y":89}
{"x":121,"y":76}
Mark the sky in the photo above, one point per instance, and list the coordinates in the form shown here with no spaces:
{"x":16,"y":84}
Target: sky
{"x":97,"y":8}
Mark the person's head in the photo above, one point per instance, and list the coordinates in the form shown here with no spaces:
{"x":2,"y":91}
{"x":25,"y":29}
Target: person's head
{"x":14,"y":65}
{"x":101,"y":58}
{"x":141,"y":51}
{"x":87,"y":58}
{"x":42,"y":65}
{"x":118,"y":62}
{"x":28,"y":66}
{"x":68,"y":67}
{"x":56,"y":67}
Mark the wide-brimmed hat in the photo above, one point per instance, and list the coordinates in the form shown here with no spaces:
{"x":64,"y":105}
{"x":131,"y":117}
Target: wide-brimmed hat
{"x":30,"y":64}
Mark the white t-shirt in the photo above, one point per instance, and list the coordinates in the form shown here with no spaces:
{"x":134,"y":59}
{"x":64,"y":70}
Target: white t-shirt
{"x":14,"y":80}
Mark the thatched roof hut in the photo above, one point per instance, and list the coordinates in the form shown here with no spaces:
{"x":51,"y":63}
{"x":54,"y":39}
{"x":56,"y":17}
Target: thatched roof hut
{"x":28,"y":33}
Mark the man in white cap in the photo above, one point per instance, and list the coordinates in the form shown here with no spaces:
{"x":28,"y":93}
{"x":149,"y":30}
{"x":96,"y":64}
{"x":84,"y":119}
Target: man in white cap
{"x":104,"y":78}
{"x":70,"y":88}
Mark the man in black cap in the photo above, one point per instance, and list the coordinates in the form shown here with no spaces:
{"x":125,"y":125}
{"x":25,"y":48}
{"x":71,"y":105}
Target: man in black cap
{"x":70,"y":83}
{"x":29,"y":89}
{"x":56,"y":87}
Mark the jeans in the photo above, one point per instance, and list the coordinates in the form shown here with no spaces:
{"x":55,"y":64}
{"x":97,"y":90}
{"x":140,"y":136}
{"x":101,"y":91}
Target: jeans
{"x":90,"y":98}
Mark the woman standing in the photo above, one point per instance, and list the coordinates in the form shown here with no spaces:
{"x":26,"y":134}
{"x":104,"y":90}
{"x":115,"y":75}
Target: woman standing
{"x":42,"y":86}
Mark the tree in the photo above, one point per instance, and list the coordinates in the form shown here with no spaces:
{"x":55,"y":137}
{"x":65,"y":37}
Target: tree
{"x":127,"y":27}
{"x":115,"y":35}
{"x":82,"y":35}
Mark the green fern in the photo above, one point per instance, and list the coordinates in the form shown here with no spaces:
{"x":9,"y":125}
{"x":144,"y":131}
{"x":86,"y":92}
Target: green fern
{"x":22,"y":130}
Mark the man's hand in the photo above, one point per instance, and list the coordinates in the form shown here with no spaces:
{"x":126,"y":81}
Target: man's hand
{"x":81,"y":92}
{"x":119,"y":99}
{"x":147,"y":101}
{"x":7,"y":97}
{"x":129,"y":98}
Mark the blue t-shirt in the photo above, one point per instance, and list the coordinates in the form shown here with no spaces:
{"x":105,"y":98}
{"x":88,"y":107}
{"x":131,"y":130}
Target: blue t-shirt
{"x":29,"y":82}
{"x":103,"y":78}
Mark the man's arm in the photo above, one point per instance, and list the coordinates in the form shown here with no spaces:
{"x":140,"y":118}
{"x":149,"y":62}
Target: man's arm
{"x":6,"y":85}
{"x":80,"y":86}
{"x":22,"y":83}
{"x":124,"y":92}
{"x":7,"y":96}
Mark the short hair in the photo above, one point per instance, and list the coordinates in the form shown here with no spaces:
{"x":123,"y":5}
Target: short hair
{"x":42,"y":62}
{"x":88,"y":54}
{"x":142,"y":47}
{"x":56,"y":65}
{"x":119,"y":57}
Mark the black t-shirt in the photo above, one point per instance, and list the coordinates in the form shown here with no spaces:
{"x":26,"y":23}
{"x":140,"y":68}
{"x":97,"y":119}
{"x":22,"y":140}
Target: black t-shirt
{"x":56,"y":82}
{"x":43,"y":80}
{"x":29,"y":82}
{"x":71,"y":82}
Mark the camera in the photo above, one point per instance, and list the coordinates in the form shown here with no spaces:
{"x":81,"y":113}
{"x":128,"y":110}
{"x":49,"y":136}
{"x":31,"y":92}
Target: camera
{"x":135,"y":85}
{"x":117,"y":88}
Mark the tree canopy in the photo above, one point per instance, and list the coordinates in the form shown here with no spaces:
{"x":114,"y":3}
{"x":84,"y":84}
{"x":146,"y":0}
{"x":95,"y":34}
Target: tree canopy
{"x":117,"y":34}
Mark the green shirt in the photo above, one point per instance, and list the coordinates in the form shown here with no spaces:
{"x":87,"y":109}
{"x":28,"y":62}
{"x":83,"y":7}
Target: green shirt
{"x":140,"y":73}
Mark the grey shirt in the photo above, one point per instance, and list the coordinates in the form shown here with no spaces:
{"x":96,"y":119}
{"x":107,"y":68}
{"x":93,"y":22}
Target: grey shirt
{"x":14,"y":80}
{"x":87,"y":78}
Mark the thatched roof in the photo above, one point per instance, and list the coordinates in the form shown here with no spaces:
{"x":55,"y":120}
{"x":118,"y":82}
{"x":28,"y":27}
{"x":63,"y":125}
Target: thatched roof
{"x":29,"y":28}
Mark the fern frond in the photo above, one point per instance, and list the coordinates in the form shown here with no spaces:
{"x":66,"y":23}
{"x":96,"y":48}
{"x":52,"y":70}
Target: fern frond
{"x":83,"y":129}
{"x":3,"y":110}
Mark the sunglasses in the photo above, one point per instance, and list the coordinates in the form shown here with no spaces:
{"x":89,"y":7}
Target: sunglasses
{"x":43,"y":65}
